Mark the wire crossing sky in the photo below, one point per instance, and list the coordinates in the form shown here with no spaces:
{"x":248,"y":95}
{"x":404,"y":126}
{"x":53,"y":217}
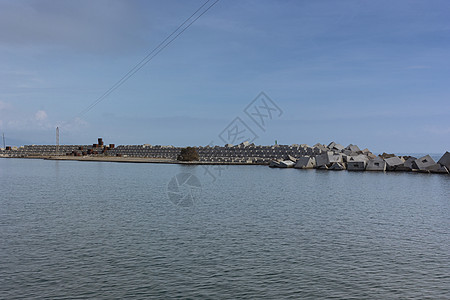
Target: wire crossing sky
{"x":166,"y":42}
{"x":371,"y":73}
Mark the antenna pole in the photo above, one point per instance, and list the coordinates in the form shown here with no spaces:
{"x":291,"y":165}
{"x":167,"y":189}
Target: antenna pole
{"x":57,"y":140}
{"x":4,"y":144}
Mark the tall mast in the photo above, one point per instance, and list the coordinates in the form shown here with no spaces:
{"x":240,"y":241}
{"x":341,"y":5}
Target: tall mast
{"x":57,"y":140}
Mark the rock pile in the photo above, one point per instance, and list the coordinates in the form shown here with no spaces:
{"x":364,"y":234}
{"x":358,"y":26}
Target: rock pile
{"x":337,"y":157}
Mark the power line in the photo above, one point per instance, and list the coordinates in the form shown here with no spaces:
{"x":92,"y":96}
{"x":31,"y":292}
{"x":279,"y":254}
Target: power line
{"x":161,"y":46}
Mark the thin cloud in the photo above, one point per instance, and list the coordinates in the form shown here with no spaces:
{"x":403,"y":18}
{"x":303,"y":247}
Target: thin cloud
{"x":5,"y":106}
{"x":418,"y":67}
{"x":41,"y":115}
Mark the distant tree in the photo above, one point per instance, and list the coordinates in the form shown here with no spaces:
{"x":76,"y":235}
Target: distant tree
{"x":188,"y":154}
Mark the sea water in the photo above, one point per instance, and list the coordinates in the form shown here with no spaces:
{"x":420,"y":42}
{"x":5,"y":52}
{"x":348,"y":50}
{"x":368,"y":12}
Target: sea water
{"x":101,"y":230}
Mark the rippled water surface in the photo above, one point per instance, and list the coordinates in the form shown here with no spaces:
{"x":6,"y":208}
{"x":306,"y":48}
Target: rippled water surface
{"x":72,"y":230}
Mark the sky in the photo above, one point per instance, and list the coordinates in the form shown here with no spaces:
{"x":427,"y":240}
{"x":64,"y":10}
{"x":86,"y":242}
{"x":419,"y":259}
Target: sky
{"x":371,"y":73}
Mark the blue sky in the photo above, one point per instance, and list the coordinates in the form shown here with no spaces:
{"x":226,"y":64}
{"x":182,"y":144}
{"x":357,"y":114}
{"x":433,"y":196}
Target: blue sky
{"x":371,"y":73}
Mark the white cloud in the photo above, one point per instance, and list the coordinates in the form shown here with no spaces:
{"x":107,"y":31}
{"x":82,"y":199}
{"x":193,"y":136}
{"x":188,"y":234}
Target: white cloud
{"x":4,"y":105}
{"x":41,"y":115}
{"x":74,"y":125}
{"x":28,"y":122}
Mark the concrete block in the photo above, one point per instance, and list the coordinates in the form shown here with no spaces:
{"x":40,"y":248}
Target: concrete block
{"x":424,"y":163}
{"x":274,"y":164}
{"x":366,"y":151}
{"x":320,"y":147}
{"x":408,"y":165}
{"x":334,"y":157}
{"x":335,"y":146}
{"x":393,"y":162}
{"x":306,"y":162}
{"x":377,"y":164}
{"x":291,"y":158}
{"x":347,"y":152}
{"x":328,"y":158}
{"x":387,"y":155}
{"x":445,"y":160}
{"x":286,"y":164}
{"x":321,"y":160}
{"x":438,"y":168}
{"x":339,"y":147}
{"x":336,"y":166}
{"x":360,"y":157}
{"x":353,"y":148}
{"x":371,"y":156}
{"x":356,"y":166}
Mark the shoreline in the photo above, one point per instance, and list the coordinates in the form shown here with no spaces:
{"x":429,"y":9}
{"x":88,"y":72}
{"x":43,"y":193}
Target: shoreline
{"x":148,"y":160}
{"x":153,"y":160}
{"x":333,"y":157}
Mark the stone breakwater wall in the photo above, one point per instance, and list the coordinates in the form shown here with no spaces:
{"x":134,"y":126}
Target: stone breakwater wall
{"x":337,"y":158}
{"x":243,"y":153}
{"x":326,"y":157}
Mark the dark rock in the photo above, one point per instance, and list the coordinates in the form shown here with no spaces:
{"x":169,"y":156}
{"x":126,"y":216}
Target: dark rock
{"x":386,"y":155}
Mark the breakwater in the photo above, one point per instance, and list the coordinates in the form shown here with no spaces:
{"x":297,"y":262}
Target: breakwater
{"x":326,"y":157}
